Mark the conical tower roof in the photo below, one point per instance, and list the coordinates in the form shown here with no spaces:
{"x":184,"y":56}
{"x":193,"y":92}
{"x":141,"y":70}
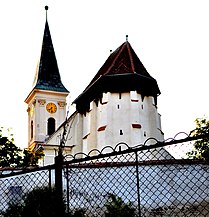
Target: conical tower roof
{"x":47,"y":75}
{"x":122,"y":72}
{"x":122,"y":61}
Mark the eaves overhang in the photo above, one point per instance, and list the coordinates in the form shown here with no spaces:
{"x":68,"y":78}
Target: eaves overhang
{"x":41,"y":91}
{"x":117,"y":83}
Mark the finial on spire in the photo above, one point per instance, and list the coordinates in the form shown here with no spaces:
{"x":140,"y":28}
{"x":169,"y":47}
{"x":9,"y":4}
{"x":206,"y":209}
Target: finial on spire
{"x":46,"y":8}
{"x":126,"y":37}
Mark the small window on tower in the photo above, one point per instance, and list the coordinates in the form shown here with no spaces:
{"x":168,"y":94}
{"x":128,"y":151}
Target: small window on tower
{"x":120,"y":95}
{"x":31,"y":129}
{"x":51,"y":126}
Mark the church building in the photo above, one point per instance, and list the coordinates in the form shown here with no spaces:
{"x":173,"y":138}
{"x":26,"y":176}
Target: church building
{"x":118,"y":106}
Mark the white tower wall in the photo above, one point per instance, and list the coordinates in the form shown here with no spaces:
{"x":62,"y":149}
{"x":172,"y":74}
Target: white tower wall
{"x":120,"y":117}
{"x":40,"y":115}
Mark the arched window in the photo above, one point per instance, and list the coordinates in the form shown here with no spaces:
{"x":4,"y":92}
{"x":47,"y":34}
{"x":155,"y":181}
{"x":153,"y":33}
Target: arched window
{"x":51,"y":126}
{"x":31,"y":129}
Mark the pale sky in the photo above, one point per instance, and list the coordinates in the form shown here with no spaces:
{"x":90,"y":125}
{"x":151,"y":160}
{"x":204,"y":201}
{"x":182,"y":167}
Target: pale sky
{"x":170,"y":37}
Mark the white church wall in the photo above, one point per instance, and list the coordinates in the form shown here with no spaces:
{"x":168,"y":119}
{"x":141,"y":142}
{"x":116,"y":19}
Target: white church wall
{"x":86,"y":124}
{"x":124,"y":117}
{"x":117,"y":117}
{"x":49,"y":156}
{"x":102,"y":122}
{"x":136,"y":122}
{"x":92,"y":137}
{"x":14,"y":188}
{"x":168,"y":187}
{"x":75,"y":138}
{"x":149,"y":116}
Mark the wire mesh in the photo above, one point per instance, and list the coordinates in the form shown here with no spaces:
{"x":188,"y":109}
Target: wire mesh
{"x":146,"y":181}
{"x":14,"y":187}
{"x":149,"y":182}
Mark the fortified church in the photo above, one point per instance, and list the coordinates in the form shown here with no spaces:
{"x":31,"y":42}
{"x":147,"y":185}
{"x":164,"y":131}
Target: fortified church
{"x":118,"y":105}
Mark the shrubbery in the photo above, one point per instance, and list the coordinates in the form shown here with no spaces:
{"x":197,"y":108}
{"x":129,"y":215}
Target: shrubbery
{"x":43,"y":202}
{"x":116,"y":207}
{"x":40,"y":202}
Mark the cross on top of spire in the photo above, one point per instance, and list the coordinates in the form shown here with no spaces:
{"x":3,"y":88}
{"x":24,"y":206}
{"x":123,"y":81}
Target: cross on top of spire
{"x":46,"y":8}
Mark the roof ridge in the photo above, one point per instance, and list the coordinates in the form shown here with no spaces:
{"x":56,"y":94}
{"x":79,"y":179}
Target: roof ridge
{"x":121,"y":48}
{"x":131,"y":57}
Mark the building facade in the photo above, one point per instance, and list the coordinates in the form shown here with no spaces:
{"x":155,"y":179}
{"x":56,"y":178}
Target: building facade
{"x":118,"y":106}
{"x":47,"y":99}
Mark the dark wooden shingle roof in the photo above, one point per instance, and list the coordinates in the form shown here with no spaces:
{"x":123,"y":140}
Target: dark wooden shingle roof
{"x":123,"y":60}
{"x":122,"y":72}
{"x":48,"y":76}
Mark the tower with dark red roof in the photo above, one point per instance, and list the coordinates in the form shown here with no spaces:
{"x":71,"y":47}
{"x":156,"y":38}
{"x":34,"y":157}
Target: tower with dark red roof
{"x":47,"y":99}
{"x":122,"y":72}
{"x":120,"y":103}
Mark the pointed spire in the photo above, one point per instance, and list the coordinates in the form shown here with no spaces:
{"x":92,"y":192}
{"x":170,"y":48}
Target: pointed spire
{"x":48,"y":76}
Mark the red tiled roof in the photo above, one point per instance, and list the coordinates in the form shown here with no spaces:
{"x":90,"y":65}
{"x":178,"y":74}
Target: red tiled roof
{"x":122,"y":60}
{"x":122,"y":72}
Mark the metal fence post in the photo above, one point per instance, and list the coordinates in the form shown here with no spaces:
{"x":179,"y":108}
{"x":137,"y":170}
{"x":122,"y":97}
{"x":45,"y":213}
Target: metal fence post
{"x":68,"y":188}
{"x":138,"y":184}
{"x":58,"y":185}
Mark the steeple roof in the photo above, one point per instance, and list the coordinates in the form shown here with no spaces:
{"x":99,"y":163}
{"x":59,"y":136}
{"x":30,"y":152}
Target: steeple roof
{"x":47,"y":75}
{"x":122,"y":72}
{"x":122,"y":61}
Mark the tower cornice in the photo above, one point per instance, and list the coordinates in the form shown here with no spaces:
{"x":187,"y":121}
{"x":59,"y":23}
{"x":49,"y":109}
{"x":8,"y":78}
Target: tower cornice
{"x":35,"y":92}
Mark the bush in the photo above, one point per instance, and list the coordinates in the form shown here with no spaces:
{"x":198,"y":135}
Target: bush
{"x":117,"y":208}
{"x":40,"y":202}
{"x":13,"y":210}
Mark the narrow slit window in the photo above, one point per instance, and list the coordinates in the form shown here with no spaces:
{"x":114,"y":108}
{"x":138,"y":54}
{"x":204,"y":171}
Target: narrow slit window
{"x":31,"y":129}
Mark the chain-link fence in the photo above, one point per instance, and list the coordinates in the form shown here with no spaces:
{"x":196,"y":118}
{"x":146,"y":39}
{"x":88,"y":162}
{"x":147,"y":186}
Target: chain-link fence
{"x":149,"y":180}
{"x":140,"y":181}
{"x":16,"y":184}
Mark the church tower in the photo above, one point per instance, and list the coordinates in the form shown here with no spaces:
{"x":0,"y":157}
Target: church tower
{"x":47,"y":100}
{"x":120,"y":103}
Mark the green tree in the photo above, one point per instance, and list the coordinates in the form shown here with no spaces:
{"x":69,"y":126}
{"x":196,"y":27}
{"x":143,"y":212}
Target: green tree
{"x":116,"y":207}
{"x":201,"y":146}
{"x":13,"y":156}
{"x":10,"y":154}
{"x":31,"y":158}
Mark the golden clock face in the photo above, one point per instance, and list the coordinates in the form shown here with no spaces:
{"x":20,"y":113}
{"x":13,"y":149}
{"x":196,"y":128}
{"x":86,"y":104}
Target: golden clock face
{"x":51,"y":107}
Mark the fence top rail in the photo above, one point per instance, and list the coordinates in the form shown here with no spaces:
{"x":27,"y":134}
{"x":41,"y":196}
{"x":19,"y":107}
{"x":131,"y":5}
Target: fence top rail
{"x":12,"y":171}
{"x":134,"y":163}
{"x":158,"y":144}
